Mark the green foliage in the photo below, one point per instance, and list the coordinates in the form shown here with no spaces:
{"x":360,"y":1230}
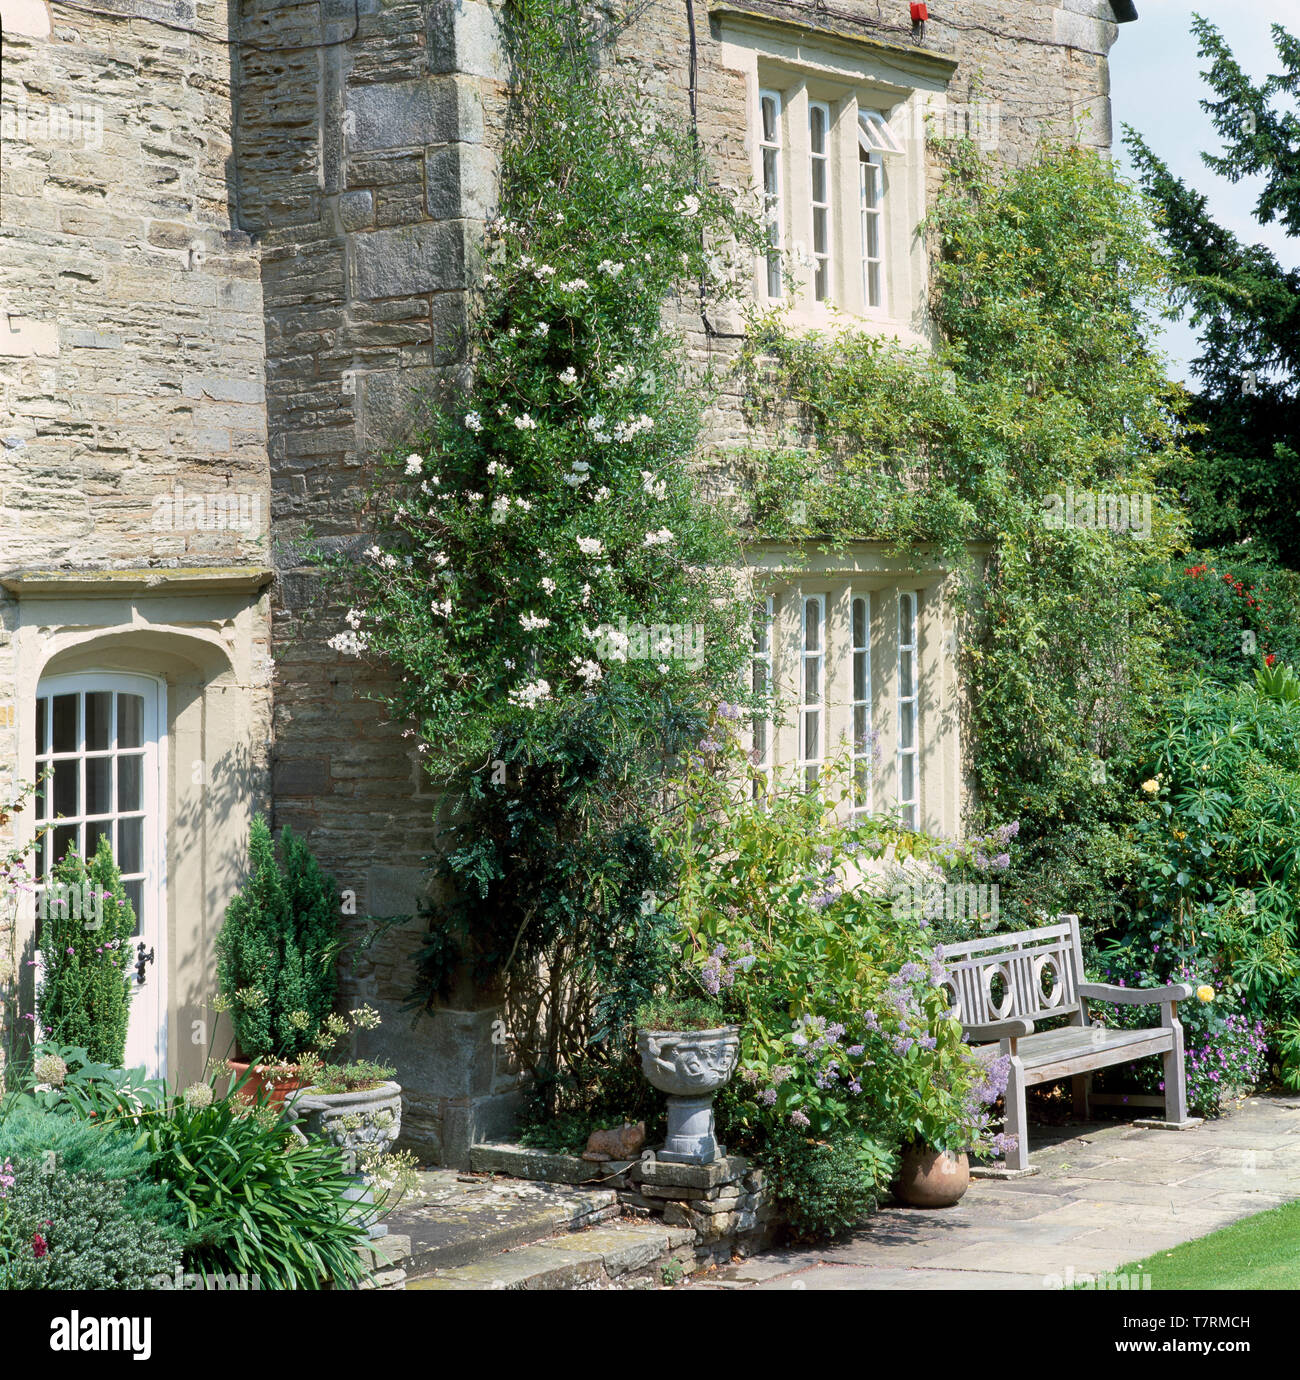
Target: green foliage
{"x":277,"y":949}
{"x":1241,"y":486}
{"x":792,"y":920}
{"x":353,"y":1077}
{"x":550,"y":588}
{"x":256,"y":1198}
{"x":686,"y":1013}
{"x":85,"y":992}
{"x":1233,"y":612}
{"x":825,"y":1188}
{"x":79,"y":1231}
{"x":102,"y":1221}
{"x":1219,"y":848}
{"x":1043,"y":394}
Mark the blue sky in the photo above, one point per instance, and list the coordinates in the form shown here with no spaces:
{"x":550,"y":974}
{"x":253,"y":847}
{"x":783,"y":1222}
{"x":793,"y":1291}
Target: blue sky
{"x":1156,"y":87}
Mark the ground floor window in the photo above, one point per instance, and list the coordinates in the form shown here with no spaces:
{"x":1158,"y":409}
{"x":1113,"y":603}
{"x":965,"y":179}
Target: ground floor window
{"x":847,"y":664}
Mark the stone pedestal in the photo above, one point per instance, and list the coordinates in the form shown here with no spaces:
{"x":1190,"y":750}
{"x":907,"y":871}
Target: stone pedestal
{"x":691,"y":1138}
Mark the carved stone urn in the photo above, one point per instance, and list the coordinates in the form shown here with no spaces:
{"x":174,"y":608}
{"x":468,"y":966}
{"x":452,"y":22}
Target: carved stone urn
{"x":690,"y":1066}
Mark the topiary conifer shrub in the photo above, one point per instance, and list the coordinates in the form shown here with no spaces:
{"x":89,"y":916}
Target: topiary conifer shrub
{"x":84,"y":995}
{"x":277,"y":949}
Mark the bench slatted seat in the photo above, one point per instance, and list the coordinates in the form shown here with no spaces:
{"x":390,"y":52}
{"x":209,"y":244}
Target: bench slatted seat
{"x":1001,"y":985}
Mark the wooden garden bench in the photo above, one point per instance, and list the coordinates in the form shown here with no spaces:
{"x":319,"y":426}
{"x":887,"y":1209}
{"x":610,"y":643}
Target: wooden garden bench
{"x":1000,"y":986}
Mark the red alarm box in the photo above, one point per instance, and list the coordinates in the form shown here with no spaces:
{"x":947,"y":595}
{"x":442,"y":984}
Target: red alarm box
{"x":919,"y":14}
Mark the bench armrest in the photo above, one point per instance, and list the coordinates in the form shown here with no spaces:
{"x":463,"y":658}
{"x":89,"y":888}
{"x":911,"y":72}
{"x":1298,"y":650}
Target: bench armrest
{"x":999,"y":1030}
{"x":1135,"y":996}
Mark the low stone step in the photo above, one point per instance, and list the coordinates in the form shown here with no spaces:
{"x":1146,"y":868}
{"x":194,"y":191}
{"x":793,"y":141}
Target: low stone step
{"x":625,"y":1255}
{"x":450,"y":1230}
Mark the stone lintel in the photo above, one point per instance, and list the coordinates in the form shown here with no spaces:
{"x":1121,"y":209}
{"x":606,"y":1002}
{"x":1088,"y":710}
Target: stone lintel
{"x":897,"y":46}
{"x":108,"y":584}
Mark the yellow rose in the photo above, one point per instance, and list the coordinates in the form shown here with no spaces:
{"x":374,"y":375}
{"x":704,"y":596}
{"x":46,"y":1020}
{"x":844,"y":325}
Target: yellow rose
{"x":1151,"y":787}
{"x":1205,"y":993}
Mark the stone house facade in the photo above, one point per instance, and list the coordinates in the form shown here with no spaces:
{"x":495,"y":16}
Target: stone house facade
{"x":235,"y":244}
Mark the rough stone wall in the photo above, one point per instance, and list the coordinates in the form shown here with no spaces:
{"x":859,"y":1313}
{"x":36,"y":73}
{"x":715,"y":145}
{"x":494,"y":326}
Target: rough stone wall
{"x":366,"y":170}
{"x":131,"y":338}
{"x":365,"y":179}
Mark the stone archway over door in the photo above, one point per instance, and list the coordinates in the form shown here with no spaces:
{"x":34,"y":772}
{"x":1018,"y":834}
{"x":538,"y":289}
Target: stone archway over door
{"x":101,"y":741}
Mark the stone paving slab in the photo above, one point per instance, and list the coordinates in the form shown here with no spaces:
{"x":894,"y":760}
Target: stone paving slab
{"x":454,"y":1219}
{"x":1105,"y":1196}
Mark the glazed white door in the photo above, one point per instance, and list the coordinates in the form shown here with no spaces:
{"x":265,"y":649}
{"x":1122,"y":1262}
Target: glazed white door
{"x":100,"y":742}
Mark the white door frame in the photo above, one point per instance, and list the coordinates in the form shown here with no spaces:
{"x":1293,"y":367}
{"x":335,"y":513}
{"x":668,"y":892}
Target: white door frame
{"x":153,"y":923}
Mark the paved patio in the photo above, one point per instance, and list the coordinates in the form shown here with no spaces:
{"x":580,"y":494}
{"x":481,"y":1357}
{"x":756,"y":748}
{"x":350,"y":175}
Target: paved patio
{"x":1106,"y":1194}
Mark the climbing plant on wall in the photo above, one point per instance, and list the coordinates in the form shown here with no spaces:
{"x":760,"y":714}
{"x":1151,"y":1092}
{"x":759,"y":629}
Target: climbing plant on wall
{"x":1026,"y":449}
{"x":557,"y":600}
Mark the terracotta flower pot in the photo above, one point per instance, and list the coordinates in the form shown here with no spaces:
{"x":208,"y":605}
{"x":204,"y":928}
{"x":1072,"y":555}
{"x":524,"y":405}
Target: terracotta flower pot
{"x":932,"y":1178}
{"x":280,"y":1088}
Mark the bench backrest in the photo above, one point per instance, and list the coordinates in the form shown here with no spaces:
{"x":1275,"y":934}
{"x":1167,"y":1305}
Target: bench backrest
{"x":1033,"y":974}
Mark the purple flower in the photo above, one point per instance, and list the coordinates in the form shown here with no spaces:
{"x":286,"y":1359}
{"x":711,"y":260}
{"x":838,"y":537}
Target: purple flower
{"x":797,"y":1118}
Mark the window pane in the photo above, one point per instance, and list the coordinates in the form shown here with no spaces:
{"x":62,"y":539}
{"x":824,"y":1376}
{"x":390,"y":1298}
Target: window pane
{"x":905,"y":673}
{"x":859,"y":622}
{"x":873,"y":285}
{"x":40,"y":797}
{"x":770,"y":174}
{"x":812,"y":626}
{"x":130,"y":850}
{"x":65,"y":723}
{"x":860,"y":727}
{"x":821,"y":282}
{"x":96,"y":830}
{"x":40,"y":854}
{"x":42,"y":726}
{"x":769,"y":120}
{"x":134,"y":894}
{"x":99,"y":732}
{"x":65,"y":837}
{"x":819,"y":180}
{"x":859,"y":676}
{"x":907,"y":766}
{"x":129,"y":777}
{"x":130,"y":721}
{"x":99,"y":785}
{"x":811,"y":725}
{"x":812,"y":680}
{"x":64,"y":792}
{"x":906,"y":725}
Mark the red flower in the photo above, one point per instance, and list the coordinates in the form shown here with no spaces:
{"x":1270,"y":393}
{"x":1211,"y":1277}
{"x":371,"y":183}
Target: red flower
{"x":39,"y":1247}
{"x":1270,"y":658}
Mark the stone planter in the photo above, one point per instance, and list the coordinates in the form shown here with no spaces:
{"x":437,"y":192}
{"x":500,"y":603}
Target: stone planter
{"x":357,"y":1122}
{"x":690,"y":1066}
{"x":369,"y":1120}
{"x":932,"y":1178}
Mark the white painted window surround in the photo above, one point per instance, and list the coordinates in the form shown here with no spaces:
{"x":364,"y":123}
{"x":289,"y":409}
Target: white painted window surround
{"x":851,"y":248}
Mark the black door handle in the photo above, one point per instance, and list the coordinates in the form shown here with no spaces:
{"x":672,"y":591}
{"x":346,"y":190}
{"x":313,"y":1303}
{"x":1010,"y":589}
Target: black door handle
{"x":141,"y":958}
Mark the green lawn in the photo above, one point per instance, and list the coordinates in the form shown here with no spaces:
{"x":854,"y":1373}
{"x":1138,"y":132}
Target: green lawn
{"x":1261,"y":1252}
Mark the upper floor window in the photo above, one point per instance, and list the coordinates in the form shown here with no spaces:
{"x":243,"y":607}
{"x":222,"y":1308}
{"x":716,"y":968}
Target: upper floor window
{"x":840,"y":171}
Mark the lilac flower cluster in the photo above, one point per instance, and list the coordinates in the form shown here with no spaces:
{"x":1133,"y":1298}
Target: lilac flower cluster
{"x":715,"y":976}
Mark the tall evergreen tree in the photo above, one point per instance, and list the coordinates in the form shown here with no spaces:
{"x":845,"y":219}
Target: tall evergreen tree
{"x":1245,"y":303}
